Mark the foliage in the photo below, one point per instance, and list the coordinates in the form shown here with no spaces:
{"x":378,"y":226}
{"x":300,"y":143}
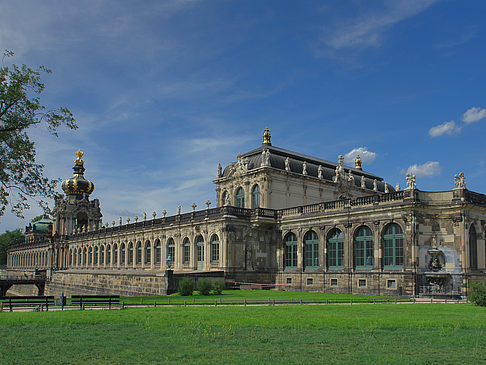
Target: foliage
{"x":477,"y":293}
{"x":186,"y":287}
{"x":21,"y":176}
{"x":204,"y":286}
{"x":364,"y":334}
{"x":218,"y":287}
{"x":6,"y":238}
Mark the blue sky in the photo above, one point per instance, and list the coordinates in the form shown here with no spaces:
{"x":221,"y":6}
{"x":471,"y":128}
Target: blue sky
{"x":164,"y":90}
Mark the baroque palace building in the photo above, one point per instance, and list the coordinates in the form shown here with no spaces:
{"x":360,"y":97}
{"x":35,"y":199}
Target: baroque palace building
{"x":282,"y":218}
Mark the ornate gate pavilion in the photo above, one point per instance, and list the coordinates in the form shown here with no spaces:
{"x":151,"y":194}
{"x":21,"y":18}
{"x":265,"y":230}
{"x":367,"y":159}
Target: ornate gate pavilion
{"x":282,"y":218}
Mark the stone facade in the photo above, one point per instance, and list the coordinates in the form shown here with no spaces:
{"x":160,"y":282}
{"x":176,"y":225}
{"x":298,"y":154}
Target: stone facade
{"x":282,"y":218}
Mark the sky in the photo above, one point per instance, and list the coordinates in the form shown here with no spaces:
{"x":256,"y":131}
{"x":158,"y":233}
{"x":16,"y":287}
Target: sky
{"x":163,"y":91}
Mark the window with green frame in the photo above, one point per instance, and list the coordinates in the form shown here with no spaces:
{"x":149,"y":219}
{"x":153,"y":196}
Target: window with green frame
{"x":335,"y":249}
{"x":157,"y":253}
{"x":170,"y":250}
{"x":290,"y":254}
{"x":186,"y":247}
{"x":90,"y":255}
{"x":122,"y":254}
{"x":240,"y":198}
{"x":473,"y":248}
{"x":255,"y":197}
{"x":95,"y":259}
{"x":311,"y":251}
{"x":363,"y":249}
{"x":215,"y":248}
{"x":392,"y":247}
{"x":130,"y":253}
{"x":108,"y":254}
{"x":138,"y":254}
{"x":148,"y":252}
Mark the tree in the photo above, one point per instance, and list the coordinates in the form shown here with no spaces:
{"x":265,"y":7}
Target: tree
{"x":21,"y":176}
{"x":6,"y":238}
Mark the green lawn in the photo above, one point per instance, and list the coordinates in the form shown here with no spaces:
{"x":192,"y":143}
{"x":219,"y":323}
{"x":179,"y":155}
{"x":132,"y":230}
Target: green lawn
{"x":380,"y":333}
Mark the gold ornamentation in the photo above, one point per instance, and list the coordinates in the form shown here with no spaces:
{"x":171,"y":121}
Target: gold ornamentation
{"x":266,"y":136}
{"x":78,"y":160}
{"x":357,"y":163}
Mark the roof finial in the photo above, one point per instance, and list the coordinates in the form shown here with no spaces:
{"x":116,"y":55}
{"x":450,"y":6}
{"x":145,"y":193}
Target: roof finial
{"x":357,"y":163}
{"x":78,"y":161}
{"x":266,"y":137}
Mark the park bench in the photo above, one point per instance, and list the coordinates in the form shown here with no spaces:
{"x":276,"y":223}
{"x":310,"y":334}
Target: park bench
{"x":84,"y":300}
{"x":26,"y":301}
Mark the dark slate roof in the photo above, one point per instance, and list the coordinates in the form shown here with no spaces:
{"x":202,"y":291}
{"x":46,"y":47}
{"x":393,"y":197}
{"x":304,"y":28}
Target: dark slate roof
{"x":296,"y":161}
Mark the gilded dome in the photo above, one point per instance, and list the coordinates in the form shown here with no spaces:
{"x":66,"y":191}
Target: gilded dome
{"x":78,"y":185}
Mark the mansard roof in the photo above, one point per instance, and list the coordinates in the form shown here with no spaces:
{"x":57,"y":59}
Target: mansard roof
{"x":296,"y":160}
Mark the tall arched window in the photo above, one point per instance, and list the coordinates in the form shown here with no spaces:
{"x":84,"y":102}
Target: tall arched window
{"x":200,"y":252}
{"x":70,"y":258}
{"x":255,"y":197}
{"x":215,"y":248}
{"x":240,"y":198}
{"x":108,"y":255}
{"x":102,"y":255}
{"x":311,"y":251}
{"x":130,"y":253}
{"x":473,"y":248}
{"x":115,"y":254}
{"x":290,"y":251}
{"x":363,"y":249}
{"x":84,"y":257}
{"x":392,"y":247}
{"x":170,"y":250}
{"x":335,"y":249}
{"x":95,"y":260}
{"x":122,"y":253}
{"x":147,"y":252}
{"x":157,"y":252}
{"x":186,"y":248}
{"x":90,"y":255}
{"x":139,"y":254}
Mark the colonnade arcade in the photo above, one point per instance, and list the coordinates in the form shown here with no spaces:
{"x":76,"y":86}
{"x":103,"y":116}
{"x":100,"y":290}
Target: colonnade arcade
{"x":29,"y":259}
{"x":201,"y":254}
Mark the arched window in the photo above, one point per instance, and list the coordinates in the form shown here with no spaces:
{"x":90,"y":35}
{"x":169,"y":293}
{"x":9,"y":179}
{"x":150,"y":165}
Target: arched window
{"x":255,"y":197}
{"x":157,"y":248}
{"x":224,"y":197}
{"x":335,"y":249}
{"x":473,"y":248}
{"x":80,"y":262}
{"x":186,"y":246}
{"x":363,"y":249}
{"x":108,"y":254}
{"x":90,"y":255}
{"x":215,"y":248}
{"x":75,"y":258}
{"x":102,"y":255}
{"x":95,"y":260}
{"x":240,"y":198}
{"x":115,"y":254}
{"x":290,"y":254}
{"x":70,"y":258}
{"x":170,"y":250}
{"x":122,"y":254}
{"x":148,"y":252}
{"x":139,"y":254}
{"x":130,"y":253}
{"x":392,"y":247}
{"x":200,"y":252}
{"x":311,"y":251}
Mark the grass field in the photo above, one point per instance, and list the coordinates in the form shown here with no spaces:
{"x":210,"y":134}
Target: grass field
{"x":380,"y":333}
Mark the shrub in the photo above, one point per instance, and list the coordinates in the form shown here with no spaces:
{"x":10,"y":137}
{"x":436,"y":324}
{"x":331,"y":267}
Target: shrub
{"x":218,"y":287}
{"x":477,"y":293}
{"x":204,"y":286}
{"x":186,"y":287}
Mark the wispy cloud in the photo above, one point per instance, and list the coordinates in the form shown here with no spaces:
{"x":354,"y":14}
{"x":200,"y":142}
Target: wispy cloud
{"x":367,"y":30}
{"x":461,"y":39}
{"x":365,"y":155}
{"x":427,"y":169}
{"x":474,"y":114}
{"x":449,"y":128}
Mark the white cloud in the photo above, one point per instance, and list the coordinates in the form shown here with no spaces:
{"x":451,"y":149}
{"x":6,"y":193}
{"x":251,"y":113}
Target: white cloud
{"x":367,"y":30}
{"x":474,"y":114}
{"x":365,"y":155}
{"x":430,"y":168}
{"x":449,"y":128}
